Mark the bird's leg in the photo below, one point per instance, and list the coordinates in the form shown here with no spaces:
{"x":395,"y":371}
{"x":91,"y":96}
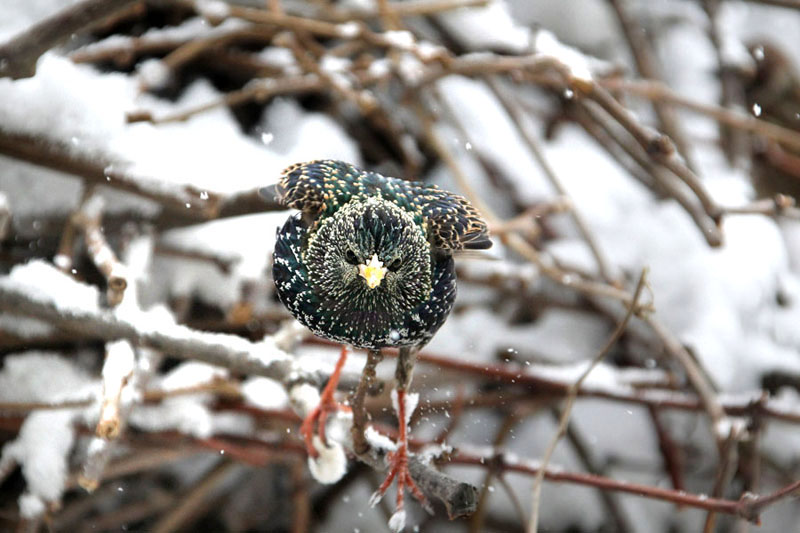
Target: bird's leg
{"x":360,"y":444}
{"x":399,"y":458}
{"x":326,"y":405}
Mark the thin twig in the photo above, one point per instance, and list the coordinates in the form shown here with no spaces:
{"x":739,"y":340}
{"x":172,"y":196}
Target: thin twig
{"x":87,"y":218}
{"x":18,"y":56}
{"x":521,"y":120}
{"x":533,"y":523}
{"x":735,"y":119}
{"x":660,"y":148}
{"x":191,"y":503}
{"x":647,"y":65}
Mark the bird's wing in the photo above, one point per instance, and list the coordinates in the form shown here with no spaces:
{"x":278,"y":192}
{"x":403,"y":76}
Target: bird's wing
{"x":322,"y":186}
{"x":453,"y":222}
{"x":317,"y":186}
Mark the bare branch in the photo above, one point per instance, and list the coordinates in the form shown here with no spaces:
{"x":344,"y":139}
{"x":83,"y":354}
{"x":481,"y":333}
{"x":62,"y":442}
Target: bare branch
{"x":19,"y":55}
{"x":572,"y":393}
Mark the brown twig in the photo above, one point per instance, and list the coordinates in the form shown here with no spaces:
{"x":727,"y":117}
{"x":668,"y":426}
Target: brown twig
{"x":673,"y":456}
{"x":5,"y":217}
{"x":192,"y":502}
{"x":258,"y":90}
{"x":18,"y":56}
{"x":610,"y":135}
{"x":93,"y":170}
{"x":725,"y":471}
{"x":229,"y":351}
{"x":87,"y":218}
{"x":648,"y":67}
{"x":520,"y":119}
{"x":749,"y":506}
{"x":660,"y":148}
{"x":731,"y":95}
{"x":735,"y":119}
{"x":572,"y":393}
{"x":301,"y":505}
{"x":117,"y":370}
{"x":408,"y":8}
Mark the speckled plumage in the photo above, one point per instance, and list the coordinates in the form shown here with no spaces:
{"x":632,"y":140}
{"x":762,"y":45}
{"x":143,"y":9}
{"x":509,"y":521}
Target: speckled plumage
{"x":347,"y":215}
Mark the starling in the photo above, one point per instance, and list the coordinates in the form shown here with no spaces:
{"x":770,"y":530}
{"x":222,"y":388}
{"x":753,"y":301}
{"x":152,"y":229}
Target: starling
{"x":368,"y":262}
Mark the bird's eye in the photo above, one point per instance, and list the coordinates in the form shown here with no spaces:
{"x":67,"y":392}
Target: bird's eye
{"x":351,"y":257}
{"x":394,"y":264}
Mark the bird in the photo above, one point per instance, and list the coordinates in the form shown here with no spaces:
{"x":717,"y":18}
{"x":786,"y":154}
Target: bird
{"x":367,"y":261}
{"x":771,"y":89}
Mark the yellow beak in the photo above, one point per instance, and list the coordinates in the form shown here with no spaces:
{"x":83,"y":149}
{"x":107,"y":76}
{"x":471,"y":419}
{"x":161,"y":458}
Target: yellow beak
{"x":373,"y":272}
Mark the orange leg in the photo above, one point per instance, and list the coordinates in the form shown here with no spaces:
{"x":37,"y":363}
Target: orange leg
{"x":399,"y":460}
{"x":327,"y":405}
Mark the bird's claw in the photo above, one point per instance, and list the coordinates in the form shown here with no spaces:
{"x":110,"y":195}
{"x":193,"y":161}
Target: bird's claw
{"x":327,"y":405}
{"x":399,"y":470}
{"x":398,"y":461}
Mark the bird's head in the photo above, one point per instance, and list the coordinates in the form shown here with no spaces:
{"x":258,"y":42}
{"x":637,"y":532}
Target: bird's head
{"x":370,"y":256}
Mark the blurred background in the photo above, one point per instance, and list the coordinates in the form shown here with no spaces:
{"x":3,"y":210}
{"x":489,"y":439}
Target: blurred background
{"x":599,"y":138}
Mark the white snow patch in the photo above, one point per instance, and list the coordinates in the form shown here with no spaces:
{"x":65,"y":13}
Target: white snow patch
{"x":304,"y":398}
{"x":264,"y":393}
{"x":411,"y":401}
{"x":378,"y":440}
{"x":398,"y":521}
{"x":119,"y":362}
{"x":212,"y":9}
{"x":44,"y":377}
{"x":578,"y":63}
{"x":41,"y":449}
{"x":44,"y":282}
{"x":186,"y":413}
{"x":154,"y":74}
{"x":30,"y":505}
{"x":331,"y":464}
{"x":491,"y":26}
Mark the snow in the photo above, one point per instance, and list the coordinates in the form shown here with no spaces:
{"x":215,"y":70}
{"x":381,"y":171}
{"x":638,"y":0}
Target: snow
{"x":78,"y":103}
{"x":41,"y":449}
{"x":264,"y":393}
{"x":213,"y":9}
{"x":400,"y":39}
{"x":154,"y":74}
{"x":44,"y":377}
{"x":491,"y":27}
{"x":304,"y":398}
{"x":397,"y":522}
{"x":18,"y":16}
{"x":42,"y":281}
{"x":411,"y":401}
{"x":578,"y":64}
{"x":331,"y":464}
{"x":119,"y":362}
{"x":186,"y":413}
{"x":379,"y":441}
{"x":349,"y":30}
